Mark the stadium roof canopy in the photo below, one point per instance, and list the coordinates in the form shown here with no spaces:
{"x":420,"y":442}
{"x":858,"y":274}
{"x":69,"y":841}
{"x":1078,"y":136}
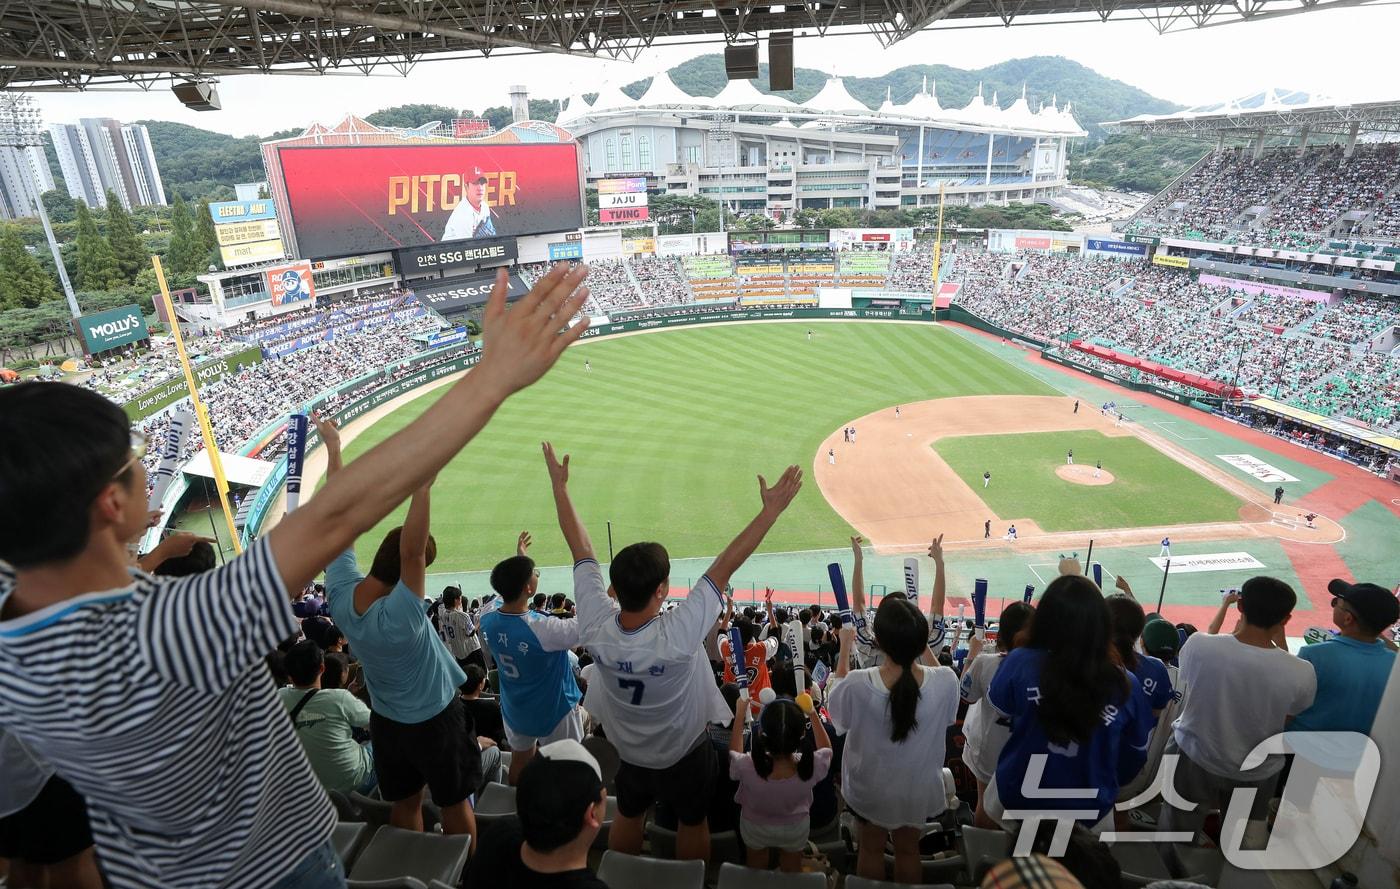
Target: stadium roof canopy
{"x":70,"y":44}
{"x":1270,"y":113}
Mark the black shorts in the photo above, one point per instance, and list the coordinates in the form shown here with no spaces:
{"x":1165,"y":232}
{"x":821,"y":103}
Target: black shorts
{"x":685,"y":786}
{"x":52,"y":828}
{"x":440,"y":752}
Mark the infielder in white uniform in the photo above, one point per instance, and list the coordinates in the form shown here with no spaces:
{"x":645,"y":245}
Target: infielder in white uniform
{"x":652,"y":688}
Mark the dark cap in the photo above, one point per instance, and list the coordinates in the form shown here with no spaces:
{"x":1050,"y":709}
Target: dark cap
{"x":1375,"y":605}
{"x":559,"y":784}
{"x":1160,"y":639}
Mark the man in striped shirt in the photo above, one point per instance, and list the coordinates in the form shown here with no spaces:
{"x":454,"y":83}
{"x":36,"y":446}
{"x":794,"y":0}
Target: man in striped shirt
{"x":163,"y":720}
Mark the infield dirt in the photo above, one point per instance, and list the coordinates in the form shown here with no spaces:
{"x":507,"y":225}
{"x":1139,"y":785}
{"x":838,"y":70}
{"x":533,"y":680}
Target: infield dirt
{"x":894,"y":488}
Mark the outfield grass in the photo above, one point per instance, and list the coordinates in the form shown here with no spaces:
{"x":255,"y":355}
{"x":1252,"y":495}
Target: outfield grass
{"x":1149,"y":487}
{"x":669,"y":429}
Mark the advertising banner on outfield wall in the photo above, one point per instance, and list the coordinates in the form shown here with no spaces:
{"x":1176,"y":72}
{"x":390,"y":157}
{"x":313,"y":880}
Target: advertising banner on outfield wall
{"x":359,"y":198}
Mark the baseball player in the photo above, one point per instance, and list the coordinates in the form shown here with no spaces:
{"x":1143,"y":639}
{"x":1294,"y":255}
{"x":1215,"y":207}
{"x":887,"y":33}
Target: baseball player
{"x":1011,"y":533}
{"x":853,"y":435}
{"x":896,"y":412}
{"x":809,"y":335}
{"x":987,"y":530}
{"x":1309,"y":519}
{"x":1278,"y":494}
{"x":986,"y":478}
{"x":831,"y":456}
{"x":472,"y":217}
{"x":1098,"y":468}
{"x":1166,"y":548}
{"x":587,"y":368}
{"x":1069,"y":457}
{"x":1076,"y":405}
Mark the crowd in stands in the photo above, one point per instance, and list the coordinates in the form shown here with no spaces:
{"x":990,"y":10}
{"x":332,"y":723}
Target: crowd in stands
{"x":1311,"y":354}
{"x":618,"y":705}
{"x":1301,"y":197}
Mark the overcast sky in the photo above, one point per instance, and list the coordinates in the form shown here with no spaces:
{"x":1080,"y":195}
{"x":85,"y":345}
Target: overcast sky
{"x":1349,"y":54}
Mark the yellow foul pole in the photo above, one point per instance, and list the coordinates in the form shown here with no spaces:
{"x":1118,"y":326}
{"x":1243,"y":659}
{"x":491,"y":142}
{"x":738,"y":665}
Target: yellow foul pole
{"x":938,"y":243}
{"x":215,"y":461}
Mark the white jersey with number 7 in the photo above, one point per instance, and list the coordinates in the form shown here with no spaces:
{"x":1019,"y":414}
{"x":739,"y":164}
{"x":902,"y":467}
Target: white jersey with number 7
{"x":653,"y":688}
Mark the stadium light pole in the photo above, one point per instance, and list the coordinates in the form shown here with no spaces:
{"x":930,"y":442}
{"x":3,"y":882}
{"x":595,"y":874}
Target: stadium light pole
{"x":21,"y":127}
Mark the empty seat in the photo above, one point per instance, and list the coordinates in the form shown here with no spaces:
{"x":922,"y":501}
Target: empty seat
{"x":735,"y":876}
{"x":344,"y":809}
{"x":394,"y":854}
{"x":348,"y":838}
{"x":854,"y":882}
{"x":496,"y":799}
{"x":979,"y":844}
{"x":621,"y":871}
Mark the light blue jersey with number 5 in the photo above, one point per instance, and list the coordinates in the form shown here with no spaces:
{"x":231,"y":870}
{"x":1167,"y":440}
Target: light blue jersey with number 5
{"x":532,"y":660}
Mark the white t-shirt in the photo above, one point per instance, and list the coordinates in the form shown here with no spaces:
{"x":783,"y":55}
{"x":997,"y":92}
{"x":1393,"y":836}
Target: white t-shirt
{"x":458,"y":632}
{"x":984,"y":728}
{"x":466,"y":220}
{"x":893,"y":785}
{"x":868,"y":654}
{"x":1236,"y":696}
{"x":652,"y":687}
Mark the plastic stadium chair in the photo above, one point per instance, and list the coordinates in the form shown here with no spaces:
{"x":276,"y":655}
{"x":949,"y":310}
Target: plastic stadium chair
{"x":854,"y":882}
{"x":979,"y":843}
{"x":378,"y":811}
{"x":344,"y":810}
{"x":401,"y":855}
{"x":496,"y":799}
{"x":349,"y":837}
{"x":734,"y":876}
{"x":661,"y":841}
{"x":621,"y":871}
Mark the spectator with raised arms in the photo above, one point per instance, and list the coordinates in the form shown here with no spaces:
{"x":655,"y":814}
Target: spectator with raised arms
{"x":653,"y":689}
{"x":233,"y":785}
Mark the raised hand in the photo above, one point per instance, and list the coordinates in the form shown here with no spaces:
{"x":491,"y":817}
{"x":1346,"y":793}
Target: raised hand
{"x":856,"y":543}
{"x":777,"y":498}
{"x":522,"y":543}
{"x":1122,"y":583}
{"x":935,"y":548}
{"x":180,"y":543}
{"x":558,"y":470}
{"x":521,"y":343}
{"x":327,"y":428}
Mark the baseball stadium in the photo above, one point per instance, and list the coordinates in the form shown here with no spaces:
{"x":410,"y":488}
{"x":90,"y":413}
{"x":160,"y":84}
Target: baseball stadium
{"x":471,"y":528}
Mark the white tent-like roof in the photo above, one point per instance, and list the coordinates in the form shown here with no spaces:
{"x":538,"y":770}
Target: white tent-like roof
{"x":663,"y":91}
{"x":834,"y":97}
{"x":742,"y":94}
{"x":785,"y":123}
{"x":573,"y":108}
{"x":887,"y":106}
{"x":612,"y":98}
{"x":924,"y":103}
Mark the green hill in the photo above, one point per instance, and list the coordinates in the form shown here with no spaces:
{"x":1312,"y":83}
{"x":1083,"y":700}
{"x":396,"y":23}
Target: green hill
{"x":1096,"y":98}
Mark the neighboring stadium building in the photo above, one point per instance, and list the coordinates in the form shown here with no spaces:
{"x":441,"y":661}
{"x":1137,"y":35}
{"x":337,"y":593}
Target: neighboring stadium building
{"x":764,"y":153}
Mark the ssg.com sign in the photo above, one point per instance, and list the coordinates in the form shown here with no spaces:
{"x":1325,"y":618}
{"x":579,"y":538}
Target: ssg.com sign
{"x":112,"y":329}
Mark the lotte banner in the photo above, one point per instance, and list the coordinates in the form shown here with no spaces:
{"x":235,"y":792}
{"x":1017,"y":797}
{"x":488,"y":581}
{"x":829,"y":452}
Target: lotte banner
{"x":362,"y":198}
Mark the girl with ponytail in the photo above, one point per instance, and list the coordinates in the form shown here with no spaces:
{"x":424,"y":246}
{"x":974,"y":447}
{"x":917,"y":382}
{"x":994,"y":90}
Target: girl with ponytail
{"x":1078,"y":718}
{"x":776,"y":777}
{"x":895,"y":718}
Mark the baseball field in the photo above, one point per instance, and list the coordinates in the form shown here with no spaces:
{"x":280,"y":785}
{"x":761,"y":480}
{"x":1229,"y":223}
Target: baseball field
{"x":668,"y":431}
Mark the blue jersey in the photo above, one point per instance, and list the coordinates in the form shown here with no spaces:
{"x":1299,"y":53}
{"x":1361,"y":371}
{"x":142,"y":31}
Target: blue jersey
{"x":1156,"y":681}
{"x":1114,"y":753}
{"x":532,"y":659}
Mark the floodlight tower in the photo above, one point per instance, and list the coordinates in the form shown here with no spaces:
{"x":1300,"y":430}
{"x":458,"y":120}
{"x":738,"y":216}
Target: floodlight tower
{"x":21,"y":126}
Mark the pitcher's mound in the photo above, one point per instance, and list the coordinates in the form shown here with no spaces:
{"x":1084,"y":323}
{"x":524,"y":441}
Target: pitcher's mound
{"x":1083,"y":475}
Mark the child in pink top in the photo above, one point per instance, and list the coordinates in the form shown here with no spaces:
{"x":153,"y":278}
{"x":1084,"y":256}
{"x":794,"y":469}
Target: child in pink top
{"x":775,"y":780}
